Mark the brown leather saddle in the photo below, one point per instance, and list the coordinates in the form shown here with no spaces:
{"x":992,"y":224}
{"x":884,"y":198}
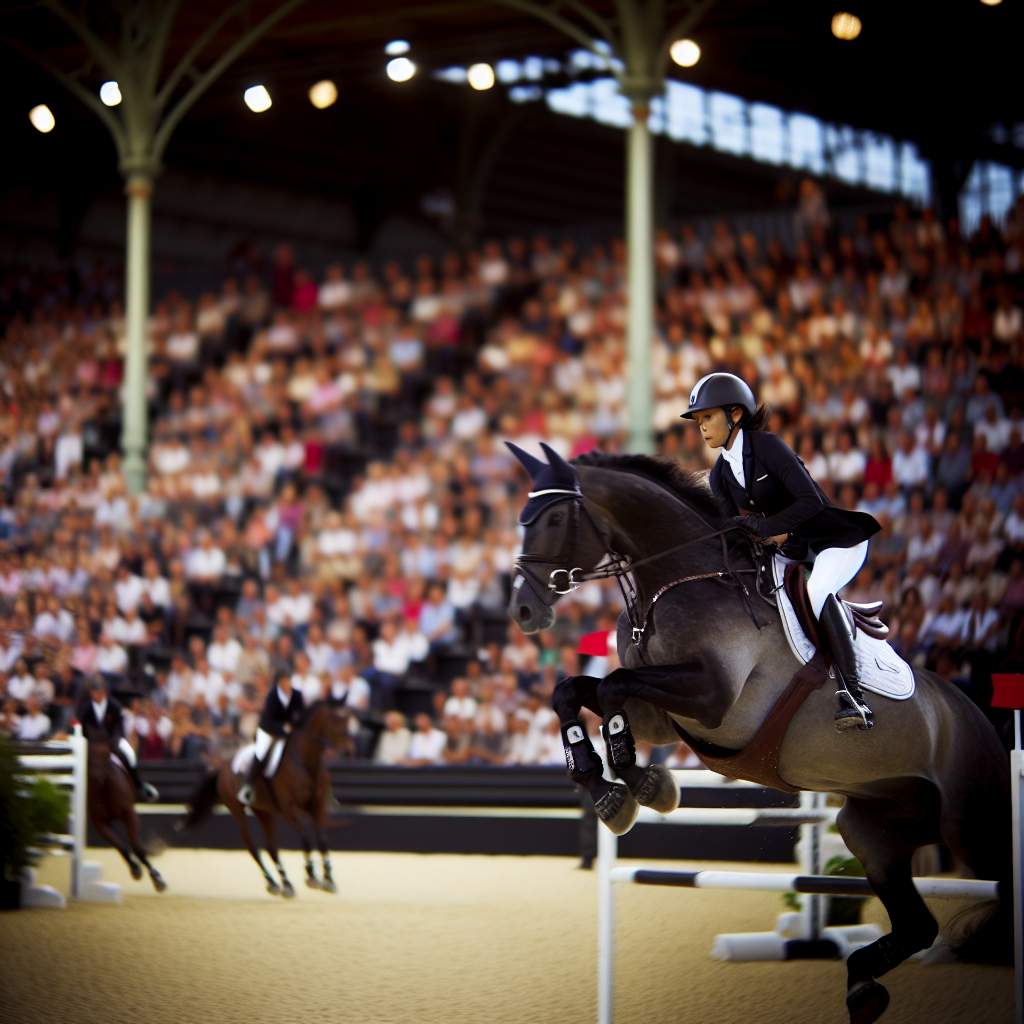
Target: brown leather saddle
{"x":759,"y":760}
{"x":864,"y":617}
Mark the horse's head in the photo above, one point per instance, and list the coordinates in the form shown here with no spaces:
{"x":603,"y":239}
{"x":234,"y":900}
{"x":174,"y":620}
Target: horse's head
{"x":331,"y":719}
{"x":560,"y":542}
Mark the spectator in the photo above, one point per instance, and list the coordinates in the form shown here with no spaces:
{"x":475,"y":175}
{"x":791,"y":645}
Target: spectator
{"x":426,"y":745}
{"x":34,"y":724}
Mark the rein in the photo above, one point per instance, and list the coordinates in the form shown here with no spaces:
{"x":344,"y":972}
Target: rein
{"x":620,"y":568}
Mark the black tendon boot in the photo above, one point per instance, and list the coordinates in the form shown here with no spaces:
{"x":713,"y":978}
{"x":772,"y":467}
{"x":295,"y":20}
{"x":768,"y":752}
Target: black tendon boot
{"x":580,"y":757}
{"x":619,"y":742}
{"x":852,"y":712}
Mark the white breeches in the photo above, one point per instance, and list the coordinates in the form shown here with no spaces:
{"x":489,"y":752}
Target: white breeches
{"x":275,"y":744}
{"x":126,"y":749}
{"x":833,"y":569}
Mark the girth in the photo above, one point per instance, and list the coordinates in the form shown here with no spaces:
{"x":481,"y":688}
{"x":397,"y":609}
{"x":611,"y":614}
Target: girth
{"x":759,"y":760}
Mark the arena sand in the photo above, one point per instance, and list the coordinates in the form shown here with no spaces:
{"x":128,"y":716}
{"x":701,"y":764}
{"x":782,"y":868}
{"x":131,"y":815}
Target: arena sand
{"x":423,"y":939}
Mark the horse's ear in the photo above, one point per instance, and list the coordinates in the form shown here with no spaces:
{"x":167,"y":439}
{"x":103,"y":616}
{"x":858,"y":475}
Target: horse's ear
{"x":557,"y":463}
{"x":529,"y":462}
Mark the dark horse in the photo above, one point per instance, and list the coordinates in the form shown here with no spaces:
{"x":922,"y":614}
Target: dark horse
{"x":300,"y":792}
{"x":705,"y":655}
{"x":111,"y":799}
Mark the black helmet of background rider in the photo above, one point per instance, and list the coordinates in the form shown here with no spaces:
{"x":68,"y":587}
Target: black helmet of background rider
{"x":721,"y":391}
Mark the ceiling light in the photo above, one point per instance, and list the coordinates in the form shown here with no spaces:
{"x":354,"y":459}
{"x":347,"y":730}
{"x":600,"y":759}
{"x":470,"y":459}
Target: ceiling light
{"x":110,"y":93}
{"x":396,"y":48}
{"x":845,"y":25}
{"x":685,"y":52}
{"x":42,"y":118}
{"x":323,"y":95}
{"x":401,"y":69}
{"x":257,"y":99}
{"x":480,"y":76}
{"x":991,"y":3}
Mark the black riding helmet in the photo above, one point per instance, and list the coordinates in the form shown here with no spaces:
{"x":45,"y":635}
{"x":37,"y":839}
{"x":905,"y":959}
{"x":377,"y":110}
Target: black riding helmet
{"x":721,"y":391}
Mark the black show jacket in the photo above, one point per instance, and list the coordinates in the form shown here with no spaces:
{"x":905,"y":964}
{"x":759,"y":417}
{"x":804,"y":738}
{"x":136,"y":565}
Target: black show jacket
{"x":781,"y":497}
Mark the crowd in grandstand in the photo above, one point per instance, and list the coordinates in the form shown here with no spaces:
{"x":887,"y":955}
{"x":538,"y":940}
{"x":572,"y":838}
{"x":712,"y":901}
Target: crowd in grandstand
{"x":327,"y":491}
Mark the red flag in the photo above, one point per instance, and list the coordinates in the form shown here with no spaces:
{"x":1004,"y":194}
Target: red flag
{"x":594,"y":643}
{"x":1008,"y":691}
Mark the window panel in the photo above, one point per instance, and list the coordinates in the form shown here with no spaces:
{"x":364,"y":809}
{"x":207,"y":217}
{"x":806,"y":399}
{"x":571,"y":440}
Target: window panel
{"x":728,"y":123}
{"x":806,"y":142}
{"x":685,"y":105}
{"x":767,"y":133}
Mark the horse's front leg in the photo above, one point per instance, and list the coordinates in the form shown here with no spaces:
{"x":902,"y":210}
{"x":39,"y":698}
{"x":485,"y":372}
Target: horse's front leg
{"x":614,"y":803}
{"x":680,"y":689}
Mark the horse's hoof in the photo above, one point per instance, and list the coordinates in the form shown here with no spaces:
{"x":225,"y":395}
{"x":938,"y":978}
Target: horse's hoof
{"x":312,"y":882}
{"x":658,"y":789}
{"x":328,"y":885}
{"x":158,"y":883}
{"x":617,"y":809}
{"x":288,"y":890}
{"x":866,"y":1001}
{"x":273,"y":888}
{"x":136,"y":870}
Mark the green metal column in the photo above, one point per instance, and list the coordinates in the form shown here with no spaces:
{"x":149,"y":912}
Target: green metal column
{"x":640,"y":280}
{"x":134,"y":427}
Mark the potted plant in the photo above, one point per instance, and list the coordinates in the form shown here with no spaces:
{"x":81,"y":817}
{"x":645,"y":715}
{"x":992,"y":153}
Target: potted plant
{"x":842,"y":910}
{"x":28,"y":811}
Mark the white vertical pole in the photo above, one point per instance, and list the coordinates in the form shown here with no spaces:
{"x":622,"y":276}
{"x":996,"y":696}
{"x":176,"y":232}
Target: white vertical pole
{"x":1016,"y":768}
{"x":812,"y":906}
{"x":78,"y":804}
{"x":607,"y":849}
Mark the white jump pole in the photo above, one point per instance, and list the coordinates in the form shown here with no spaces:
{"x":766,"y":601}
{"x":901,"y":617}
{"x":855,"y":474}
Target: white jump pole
{"x":78,"y":812}
{"x":607,"y":850}
{"x":784,"y":881}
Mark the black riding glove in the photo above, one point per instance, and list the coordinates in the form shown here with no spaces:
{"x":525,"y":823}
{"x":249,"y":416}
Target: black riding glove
{"x":744,"y":527}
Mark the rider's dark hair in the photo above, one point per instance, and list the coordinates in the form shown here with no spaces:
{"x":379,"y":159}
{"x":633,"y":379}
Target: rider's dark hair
{"x":758,"y":420}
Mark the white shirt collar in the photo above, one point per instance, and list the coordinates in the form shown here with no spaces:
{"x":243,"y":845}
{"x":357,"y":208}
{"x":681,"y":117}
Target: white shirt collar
{"x":283,"y":697}
{"x":734,"y":454}
{"x":100,"y":707}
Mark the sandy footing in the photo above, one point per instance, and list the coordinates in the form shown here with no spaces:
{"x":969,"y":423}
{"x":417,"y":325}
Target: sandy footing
{"x":416,"y":939}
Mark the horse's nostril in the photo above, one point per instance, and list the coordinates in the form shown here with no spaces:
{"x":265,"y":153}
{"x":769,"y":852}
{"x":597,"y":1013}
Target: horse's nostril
{"x":524,"y":611}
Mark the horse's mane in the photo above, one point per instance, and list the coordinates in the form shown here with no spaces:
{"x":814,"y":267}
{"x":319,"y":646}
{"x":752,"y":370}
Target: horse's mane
{"x":691,"y":488}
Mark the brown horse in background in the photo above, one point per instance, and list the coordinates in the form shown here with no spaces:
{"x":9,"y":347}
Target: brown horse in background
{"x":300,"y":792}
{"x":111,"y":799}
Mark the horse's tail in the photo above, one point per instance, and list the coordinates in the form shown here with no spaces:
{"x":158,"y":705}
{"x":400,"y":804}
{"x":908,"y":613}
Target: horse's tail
{"x":202,"y":802}
{"x":983,"y":932}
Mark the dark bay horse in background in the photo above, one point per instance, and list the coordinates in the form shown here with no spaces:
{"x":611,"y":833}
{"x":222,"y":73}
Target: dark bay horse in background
{"x":300,"y":792}
{"x":710,"y":662}
{"x":111,"y":800}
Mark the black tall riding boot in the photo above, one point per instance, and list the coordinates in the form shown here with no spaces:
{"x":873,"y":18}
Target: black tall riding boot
{"x":247,"y":791}
{"x":143,"y":789}
{"x":853,"y":711}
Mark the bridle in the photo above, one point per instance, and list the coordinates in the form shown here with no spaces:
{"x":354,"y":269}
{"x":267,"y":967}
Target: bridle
{"x":620,"y":567}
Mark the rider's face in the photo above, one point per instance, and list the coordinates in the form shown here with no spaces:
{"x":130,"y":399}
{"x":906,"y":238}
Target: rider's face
{"x":713,"y":426}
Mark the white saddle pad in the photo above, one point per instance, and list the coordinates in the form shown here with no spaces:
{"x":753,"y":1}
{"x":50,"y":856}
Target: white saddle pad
{"x":243,"y":759}
{"x":881,"y":669}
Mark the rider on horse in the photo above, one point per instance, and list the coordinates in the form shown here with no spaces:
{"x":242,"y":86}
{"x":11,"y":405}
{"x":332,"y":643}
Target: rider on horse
{"x":769,"y":492}
{"x":98,"y":711}
{"x":284,"y":708}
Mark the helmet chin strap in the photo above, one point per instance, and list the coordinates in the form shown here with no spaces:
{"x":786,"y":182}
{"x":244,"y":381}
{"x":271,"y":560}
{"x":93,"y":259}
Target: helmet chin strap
{"x":733,"y":424}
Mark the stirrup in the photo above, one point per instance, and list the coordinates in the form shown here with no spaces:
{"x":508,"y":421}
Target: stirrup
{"x":150,"y":793}
{"x":852,"y":713}
{"x":245,"y":795}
